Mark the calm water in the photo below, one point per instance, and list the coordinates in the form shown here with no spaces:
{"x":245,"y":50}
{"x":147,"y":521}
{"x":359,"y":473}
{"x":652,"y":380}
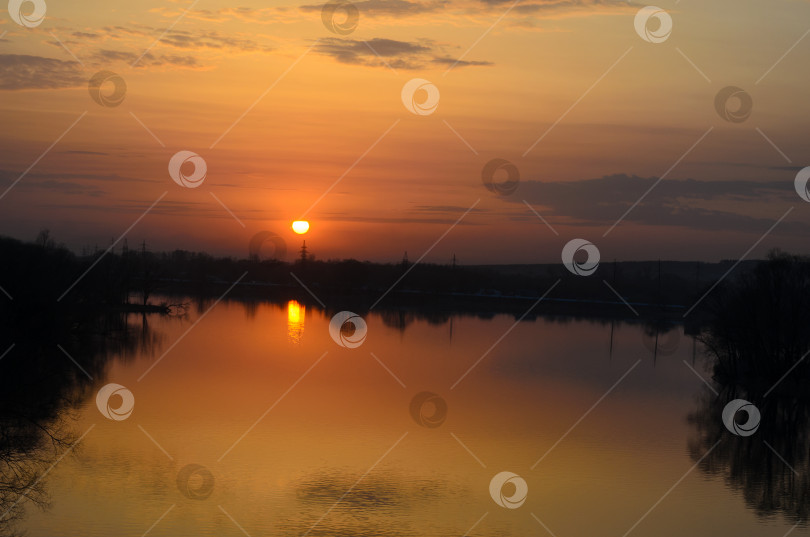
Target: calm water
{"x":295,"y":442}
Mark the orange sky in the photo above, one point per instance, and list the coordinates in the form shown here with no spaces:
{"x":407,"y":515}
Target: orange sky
{"x":319,"y":106}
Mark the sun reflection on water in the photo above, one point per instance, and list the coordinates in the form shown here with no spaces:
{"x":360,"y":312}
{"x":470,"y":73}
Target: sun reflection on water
{"x":295,"y":320}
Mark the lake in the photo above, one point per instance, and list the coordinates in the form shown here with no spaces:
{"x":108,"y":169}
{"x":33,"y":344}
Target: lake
{"x":251,"y":420}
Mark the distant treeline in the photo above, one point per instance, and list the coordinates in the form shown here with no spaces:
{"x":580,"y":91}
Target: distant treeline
{"x":43,"y":272}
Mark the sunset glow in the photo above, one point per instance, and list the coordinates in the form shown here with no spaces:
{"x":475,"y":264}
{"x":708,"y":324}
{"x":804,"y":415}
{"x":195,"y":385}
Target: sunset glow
{"x":289,"y":116}
{"x":520,"y":210}
{"x":371,"y":163}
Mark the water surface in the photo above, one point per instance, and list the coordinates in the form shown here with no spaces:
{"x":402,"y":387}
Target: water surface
{"x":296,"y":435}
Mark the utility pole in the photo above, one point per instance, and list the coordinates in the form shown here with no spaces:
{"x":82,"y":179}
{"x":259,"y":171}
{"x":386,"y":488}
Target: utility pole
{"x":304,"y":253}
{"x":660,"y":298}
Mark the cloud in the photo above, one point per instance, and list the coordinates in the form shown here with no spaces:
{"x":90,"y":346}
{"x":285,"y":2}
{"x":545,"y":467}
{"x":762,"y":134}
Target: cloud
{"x":400,"y":54}
{"x":451,"y":218}
{"x":210,"y":40}
{"x":106,"y":56}
{"x":703,"y":205}
{"x":379,"y":52}
{"x":192,"y":49}
{"x":70,"y":188}
{"x":92,"y":36}
{"x":387,"y":7}
{"x":460,"y":63}
{"x":183,"y":39}
{"x":21,"y":71}
{"x":452,"y":209}
{"x":557,"y":5}
{"x":552,"y":9}
{"x":34,"y":178}
{"x":539,"y":9}
{"x":176,"y":61}
{"x":119,"y":32}
{"x":265,"y":15}
{"x":51,"y":182}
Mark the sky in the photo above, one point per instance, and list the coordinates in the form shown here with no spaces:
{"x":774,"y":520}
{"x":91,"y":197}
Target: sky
{"x":611,"y":134}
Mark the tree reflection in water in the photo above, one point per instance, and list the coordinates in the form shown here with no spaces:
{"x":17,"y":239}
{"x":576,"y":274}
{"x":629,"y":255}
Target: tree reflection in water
{"x":41,"y":389}
{"x":771,"y":468}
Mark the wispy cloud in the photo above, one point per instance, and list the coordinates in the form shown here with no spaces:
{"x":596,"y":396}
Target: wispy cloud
{"x":263,"y":15}
{"x":460,"y":63}
{"x":703,"y":205}
{"x":387,"y":7}
{"x":380,"y":52}
{"x":21,"y":71}
{"x":106,"y":56}
{"x":189,"y":49}
{"x":541,"y":8}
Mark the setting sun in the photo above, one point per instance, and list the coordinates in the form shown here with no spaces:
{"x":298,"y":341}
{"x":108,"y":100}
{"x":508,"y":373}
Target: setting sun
{"x":300,"y":226}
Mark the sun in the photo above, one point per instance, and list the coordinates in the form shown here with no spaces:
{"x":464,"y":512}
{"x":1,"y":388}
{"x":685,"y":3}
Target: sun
{"x":300,"y":226}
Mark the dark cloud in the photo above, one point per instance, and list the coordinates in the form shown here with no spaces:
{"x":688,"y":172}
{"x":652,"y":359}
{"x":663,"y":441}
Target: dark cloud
{"x":400,"y":54}
{"x":460,"y":63}
{"x":702,"y":205}
{"x":20,"y":71}
{"x":379,"y":52}
{"x":107,"y":55}
{"x":87,"y":35}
